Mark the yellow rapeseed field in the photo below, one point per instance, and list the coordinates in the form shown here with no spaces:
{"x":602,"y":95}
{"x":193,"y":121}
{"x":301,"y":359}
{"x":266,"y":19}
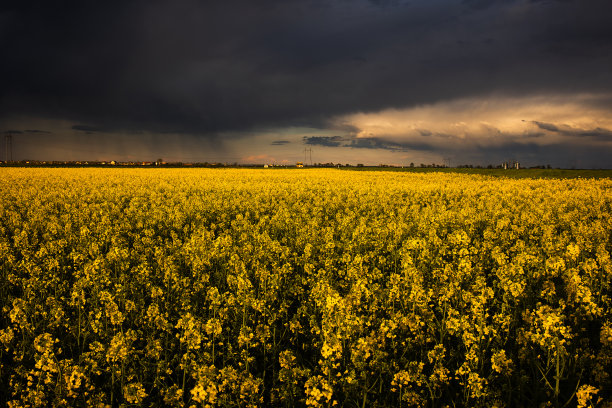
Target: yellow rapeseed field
{"x":319,"y":288}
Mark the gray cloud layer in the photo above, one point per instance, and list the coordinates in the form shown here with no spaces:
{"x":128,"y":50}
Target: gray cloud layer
{"x":566,"y":130}
{"x":187,"y":66}
{"x":366,"y":143}
{"x":192,"y":67}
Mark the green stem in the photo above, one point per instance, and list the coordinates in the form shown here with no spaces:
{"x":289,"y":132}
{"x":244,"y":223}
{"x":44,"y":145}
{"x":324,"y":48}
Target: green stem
{"x":112,"y":385}
{"x":184,"y":371}
{"x":558,"y":375}
{"x":365,"y":397}
{"x":79,"y":328}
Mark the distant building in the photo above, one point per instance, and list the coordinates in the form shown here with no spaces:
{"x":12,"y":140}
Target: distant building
{"x":511,"y":164}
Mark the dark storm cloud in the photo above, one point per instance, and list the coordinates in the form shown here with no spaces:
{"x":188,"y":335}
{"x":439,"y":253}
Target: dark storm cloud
{"x":598,"y":133}
{"x":546,"y":126}
{"x":367,"y":143}
{"x":378,"y":143}
{"x":280,"y":142}
{"x":329,"y":141}
{"x":572,"y":132}
{"x":205,"y":68}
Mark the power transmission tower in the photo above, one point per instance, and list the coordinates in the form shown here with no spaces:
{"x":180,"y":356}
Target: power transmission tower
{"x":8,"y":140}
{"x":309,"y":151}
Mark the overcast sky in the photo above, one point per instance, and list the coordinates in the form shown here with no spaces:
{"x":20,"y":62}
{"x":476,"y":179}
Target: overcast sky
{"x":356,"y":81}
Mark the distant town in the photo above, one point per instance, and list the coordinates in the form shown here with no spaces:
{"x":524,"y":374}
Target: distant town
{"x":161,"y":163}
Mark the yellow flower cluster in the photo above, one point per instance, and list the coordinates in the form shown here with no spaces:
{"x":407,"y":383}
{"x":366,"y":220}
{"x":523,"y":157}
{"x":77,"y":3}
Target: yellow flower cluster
{"x":292,"y":288}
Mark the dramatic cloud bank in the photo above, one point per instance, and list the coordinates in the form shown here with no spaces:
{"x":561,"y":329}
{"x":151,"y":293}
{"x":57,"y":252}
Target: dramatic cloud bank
{"x":235,"y":79}
{"x":494,"y":121}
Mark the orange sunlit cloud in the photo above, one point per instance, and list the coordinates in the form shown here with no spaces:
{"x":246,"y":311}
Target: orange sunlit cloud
{"x":491,"y":121}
